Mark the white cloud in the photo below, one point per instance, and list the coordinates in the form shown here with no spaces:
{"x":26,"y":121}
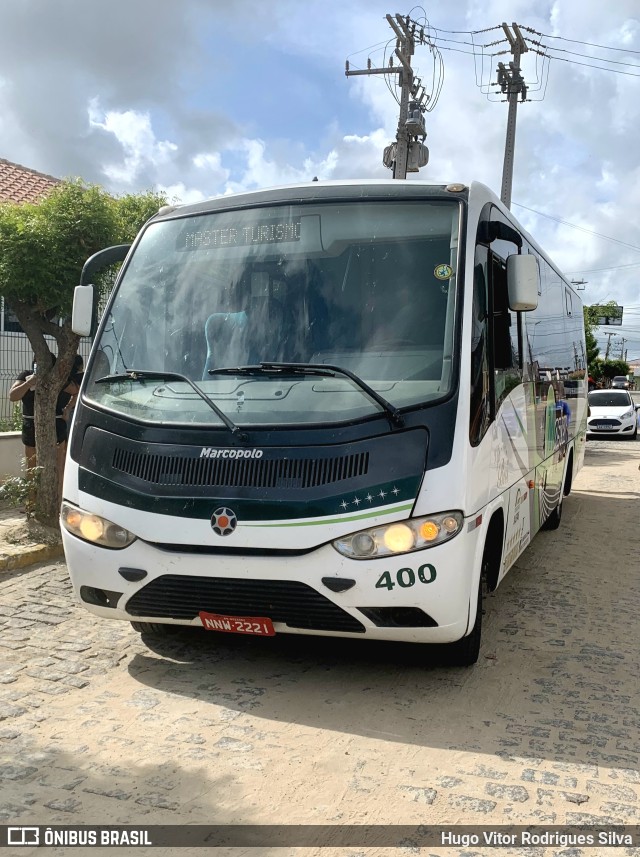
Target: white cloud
{"x":176,"y":106}
{"x":134,"y":132}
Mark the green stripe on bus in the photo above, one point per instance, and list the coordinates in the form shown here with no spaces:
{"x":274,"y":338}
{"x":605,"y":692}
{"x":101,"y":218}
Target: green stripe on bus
{"x":405,"y":507}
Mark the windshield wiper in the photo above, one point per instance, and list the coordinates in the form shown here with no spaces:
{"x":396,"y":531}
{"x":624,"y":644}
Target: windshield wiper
{"x":322,"y":370}
{"x":147,"y":374}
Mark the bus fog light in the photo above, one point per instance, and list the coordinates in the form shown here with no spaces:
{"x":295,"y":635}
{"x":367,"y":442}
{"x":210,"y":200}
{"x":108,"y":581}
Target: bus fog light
{"x":94,"y":528}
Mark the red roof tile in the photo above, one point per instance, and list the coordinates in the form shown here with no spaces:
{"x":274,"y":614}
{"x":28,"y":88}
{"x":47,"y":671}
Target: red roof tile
{"x":20,"y":184}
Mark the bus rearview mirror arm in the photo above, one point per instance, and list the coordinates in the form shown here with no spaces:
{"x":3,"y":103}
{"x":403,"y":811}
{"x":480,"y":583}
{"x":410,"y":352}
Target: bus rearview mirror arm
{"x":84,"y":316}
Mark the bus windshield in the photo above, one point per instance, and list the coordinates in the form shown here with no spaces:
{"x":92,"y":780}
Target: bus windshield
{"x":368,"y":287}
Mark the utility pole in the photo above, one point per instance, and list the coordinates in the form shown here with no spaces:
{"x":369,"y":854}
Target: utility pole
{"x":407,"y":154}
{"x":606,"y":353}
{"x":622,"y":355}
{"x":512,"y":84}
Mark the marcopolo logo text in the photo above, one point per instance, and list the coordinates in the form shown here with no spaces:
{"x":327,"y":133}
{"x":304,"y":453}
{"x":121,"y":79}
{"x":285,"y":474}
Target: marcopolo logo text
{"x":212,"y":452}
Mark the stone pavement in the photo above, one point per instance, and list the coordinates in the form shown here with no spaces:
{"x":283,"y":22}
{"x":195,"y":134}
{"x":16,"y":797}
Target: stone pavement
{"x":99,"y":726}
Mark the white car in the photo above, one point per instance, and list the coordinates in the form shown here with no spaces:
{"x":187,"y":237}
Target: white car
{"x":612,"y":412}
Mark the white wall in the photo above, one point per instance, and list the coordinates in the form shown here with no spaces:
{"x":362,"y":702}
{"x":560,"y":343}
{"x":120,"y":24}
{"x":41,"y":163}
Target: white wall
{"x":11,"y":454}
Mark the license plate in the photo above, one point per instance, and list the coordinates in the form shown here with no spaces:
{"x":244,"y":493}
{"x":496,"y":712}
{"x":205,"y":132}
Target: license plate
{"x":603,"y":426}
{"x":257,"y":625}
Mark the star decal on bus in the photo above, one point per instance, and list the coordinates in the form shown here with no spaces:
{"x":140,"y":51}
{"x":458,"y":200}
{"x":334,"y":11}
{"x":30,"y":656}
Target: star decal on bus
{"x":377,"y":498}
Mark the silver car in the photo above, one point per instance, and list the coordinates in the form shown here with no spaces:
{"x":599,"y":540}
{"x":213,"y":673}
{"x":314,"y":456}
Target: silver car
{"x":620,"y":382}
{"x":612,"y":412}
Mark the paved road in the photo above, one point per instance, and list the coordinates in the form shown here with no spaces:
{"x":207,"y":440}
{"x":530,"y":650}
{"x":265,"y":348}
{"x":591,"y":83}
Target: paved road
{"x":96,"y":727}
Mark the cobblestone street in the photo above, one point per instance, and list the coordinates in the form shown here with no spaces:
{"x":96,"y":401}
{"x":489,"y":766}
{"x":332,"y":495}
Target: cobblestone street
{"x":97,"y":726}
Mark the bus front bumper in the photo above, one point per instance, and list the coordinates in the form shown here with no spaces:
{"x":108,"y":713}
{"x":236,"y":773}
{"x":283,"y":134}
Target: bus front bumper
{"x":426,"y":596}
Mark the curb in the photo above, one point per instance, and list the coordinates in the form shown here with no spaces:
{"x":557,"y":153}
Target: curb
{"x":30,"y":556}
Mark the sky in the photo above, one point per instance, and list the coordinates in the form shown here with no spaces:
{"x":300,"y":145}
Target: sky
{"x":200,"y":98}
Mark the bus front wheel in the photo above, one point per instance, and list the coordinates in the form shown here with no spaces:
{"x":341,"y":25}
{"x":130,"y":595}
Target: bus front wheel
{"x":156,"y":629}
{"x":553,"y":521}
{"x":465,"y":652}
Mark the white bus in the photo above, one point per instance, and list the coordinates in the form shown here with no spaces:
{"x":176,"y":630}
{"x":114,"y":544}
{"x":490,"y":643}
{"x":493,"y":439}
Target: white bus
{"x":337,"y":409}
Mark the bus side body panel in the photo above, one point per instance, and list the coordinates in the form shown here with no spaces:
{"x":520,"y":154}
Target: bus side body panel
{"x":519,"y":464}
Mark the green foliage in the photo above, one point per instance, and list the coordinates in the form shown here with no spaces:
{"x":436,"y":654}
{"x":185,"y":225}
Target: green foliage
{"x":14,"y":422}
{"x":611,"y":368}
{"x":43,"y":247}
{"x":594,"y":312}
{"x":592,"y":350}
{"x":132,"y":212}
{"x":591,"y":315}
{"x":19,"y":491}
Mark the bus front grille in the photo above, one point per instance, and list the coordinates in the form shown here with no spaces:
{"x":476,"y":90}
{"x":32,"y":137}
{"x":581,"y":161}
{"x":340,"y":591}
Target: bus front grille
{"x":160,"y":469}
{"x":295,"y":604}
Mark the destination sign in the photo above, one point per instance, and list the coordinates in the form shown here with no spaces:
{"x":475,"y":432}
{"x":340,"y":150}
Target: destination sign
{"x":267,"y":232}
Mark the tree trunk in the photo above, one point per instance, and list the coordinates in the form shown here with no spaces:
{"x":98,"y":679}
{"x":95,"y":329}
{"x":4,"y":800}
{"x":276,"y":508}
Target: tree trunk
{"x":47,"y":496}
{"x":51,"y":380}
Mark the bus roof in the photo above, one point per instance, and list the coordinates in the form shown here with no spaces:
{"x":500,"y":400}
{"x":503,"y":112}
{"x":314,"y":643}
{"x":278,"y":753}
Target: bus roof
{"x":350,"y":189}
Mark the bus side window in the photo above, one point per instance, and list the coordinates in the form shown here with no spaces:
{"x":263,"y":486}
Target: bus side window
{"x":480,"y":394}
{"x":506,"y":345}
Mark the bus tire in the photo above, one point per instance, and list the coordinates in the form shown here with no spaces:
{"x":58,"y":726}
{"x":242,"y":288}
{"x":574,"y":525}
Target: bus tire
{"x":465,"y":652}
{"x":156,"y":629}
{"x":553,"y":521}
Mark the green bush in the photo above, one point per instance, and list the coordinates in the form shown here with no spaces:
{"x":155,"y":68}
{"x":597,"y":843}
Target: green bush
{"x":14,"y":422}
{"x":20,"y":491}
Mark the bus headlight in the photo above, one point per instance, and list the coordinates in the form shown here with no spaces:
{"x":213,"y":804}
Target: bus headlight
{"x":414,"y":534}
{"x":94,"y":529}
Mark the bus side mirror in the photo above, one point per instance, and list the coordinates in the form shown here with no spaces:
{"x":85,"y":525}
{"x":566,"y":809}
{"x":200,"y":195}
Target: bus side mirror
{"x":523,"y":278}
{"x":83,"y":318}
{"x":82,"y":315}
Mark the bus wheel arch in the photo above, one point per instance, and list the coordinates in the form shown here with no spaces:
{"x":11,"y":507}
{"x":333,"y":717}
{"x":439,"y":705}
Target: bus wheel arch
{"x":492,"y":552}
{"x":465,"y":652}
{"x":568,"y":477}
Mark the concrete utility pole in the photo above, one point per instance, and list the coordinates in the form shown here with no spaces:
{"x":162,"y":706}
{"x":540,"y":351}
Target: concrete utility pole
{"x":512,"y":84}
{"x":407,"y":154}
{"x":606,"y":353}
{"x":404,"y":52}
{"x":622,"y":349}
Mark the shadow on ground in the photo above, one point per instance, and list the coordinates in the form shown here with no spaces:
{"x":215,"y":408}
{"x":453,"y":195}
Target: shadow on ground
{"x":557,"y":676}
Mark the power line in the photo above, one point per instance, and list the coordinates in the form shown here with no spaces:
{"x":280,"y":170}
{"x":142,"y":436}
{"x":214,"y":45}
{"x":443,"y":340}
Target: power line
{"x":578,"y":42}
{"x":585,"y":64}
{"x":599,"y":270}
{"x":584,"y":56}
{"x":581,"y":228}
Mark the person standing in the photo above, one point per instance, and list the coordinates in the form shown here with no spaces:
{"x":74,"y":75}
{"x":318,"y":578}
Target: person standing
{"x":77,"y":372}
{"x":22,"y":390}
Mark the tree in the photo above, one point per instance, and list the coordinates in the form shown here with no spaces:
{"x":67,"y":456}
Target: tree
{"x":610,"y":368}
{"x":590,"y":322}
{"x":43,"y":247}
